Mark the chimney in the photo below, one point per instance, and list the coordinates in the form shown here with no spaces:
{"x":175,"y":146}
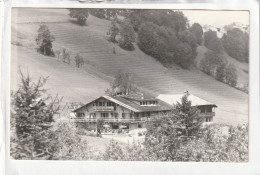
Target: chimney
{"x":186,"y":93}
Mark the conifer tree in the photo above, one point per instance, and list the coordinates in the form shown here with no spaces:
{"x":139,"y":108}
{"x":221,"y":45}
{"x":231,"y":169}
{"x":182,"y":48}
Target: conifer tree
{"x":33,"y":117}
{"x":44,"y":40}
{"x":190,"y":121}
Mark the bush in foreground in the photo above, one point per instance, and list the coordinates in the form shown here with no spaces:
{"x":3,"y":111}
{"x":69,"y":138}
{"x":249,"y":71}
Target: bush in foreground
{"x":216,"y":144}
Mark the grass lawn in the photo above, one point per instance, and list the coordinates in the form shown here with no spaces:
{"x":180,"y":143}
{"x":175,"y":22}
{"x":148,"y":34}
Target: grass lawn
{"x":98,"y":143}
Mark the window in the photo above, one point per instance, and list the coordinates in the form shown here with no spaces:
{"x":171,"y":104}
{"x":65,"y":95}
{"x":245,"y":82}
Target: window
{"x":81,"y":114}
{"x":116,"y":115}
{"x":104,"y":115}
{"x":112,"y":114}
{"x":100,"y":103}
{"x":209,"y":119}
{"x":110,"y":104}
{"x":123,"y":115}
{"x":131,"y":115}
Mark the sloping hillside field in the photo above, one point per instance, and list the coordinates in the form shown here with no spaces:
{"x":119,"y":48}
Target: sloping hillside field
{"x":101,"y":64}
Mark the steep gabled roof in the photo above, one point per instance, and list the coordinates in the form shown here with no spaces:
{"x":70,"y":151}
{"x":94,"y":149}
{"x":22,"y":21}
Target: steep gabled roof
{"x":161,"y":106}
{"x":133,"y":106}
{"x":172,"y":99}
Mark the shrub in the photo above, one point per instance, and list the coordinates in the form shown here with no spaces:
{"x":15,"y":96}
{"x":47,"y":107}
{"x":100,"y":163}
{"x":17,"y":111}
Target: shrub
{"x":183,"y":55}
{"x":175,"y":20}
{"x":79,"y":61}
{"x":113,"y":32}
{"x":65,"y":55}
{"x":100,"y":13}
{"x":58,"y":54}
{"x":80,"y":14}
{"x":215,"y":45}
{"x":197,"y":31}
{"x":236,"y":44}
{"x":231,"y":75}
{"x":221,"y":72}
{"x":218,"y":144}
{"x":186,"y":36}
{"x":212,"y":42}
{"x":151,"y":42}
{"x":123,"y":84}
{"x":208,"y":36}
{"x":113,"y":151}
{"x":44,"y":41}
{"x":134,"y":152}
{"x":69,"y":144}
{"x":127,"y":36}
{"x":211,"y":62}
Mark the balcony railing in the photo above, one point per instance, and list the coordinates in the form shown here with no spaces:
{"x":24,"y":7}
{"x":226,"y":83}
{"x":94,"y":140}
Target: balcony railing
{"x":84,"y":119}
{"x":207,"y":114}
{"x":104,"y":108}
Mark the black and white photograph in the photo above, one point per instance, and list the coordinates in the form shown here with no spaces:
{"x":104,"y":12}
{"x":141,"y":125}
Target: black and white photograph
{"x":104,"y":84}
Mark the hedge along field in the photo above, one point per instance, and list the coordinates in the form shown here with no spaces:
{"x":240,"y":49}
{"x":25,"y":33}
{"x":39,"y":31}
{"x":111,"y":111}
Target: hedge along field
{"x":149,"y":74}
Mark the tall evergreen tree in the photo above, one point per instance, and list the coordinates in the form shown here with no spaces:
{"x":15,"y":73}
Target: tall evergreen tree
{"x":33,"y":118}
{"x":44,"y":40}
{"x":190,"y":121}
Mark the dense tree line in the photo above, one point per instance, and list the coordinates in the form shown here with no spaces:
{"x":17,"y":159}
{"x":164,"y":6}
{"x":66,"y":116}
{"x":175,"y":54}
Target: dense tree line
{"x":163,"y":35}
{"x":212,"y":42}
{"x":236,"y":44}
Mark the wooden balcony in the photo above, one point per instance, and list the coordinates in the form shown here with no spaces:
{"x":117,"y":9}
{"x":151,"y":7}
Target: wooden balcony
{"x":84,"y":119}
{"x":207,"y":114}
{"x":103,"y":108}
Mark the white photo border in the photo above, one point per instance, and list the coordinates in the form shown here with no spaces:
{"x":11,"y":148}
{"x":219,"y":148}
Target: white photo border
{"x":38,"y":167}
